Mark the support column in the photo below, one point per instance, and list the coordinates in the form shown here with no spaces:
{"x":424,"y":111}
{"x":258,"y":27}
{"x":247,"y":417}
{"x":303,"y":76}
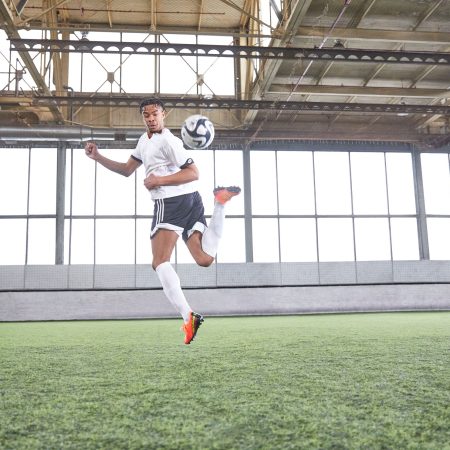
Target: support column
{"x":248,"y":207}
{"x":60,"y":202}
{"x":424,"y":249}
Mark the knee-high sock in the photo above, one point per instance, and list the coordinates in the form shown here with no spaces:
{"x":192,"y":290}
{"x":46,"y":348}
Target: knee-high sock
{"x":212,"y":235}
{"x":172,"y":288}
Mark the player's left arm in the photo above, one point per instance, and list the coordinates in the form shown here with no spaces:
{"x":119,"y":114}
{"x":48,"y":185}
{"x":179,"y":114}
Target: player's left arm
{"x":187,"y":173}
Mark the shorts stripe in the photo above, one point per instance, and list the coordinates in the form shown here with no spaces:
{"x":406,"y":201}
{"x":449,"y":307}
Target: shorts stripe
{"x":159,"y":211}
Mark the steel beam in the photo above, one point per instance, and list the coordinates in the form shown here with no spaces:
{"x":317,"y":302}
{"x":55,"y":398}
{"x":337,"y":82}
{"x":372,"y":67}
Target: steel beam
{"x":235,"y":51}
{"x":329,"y":107}
{"x":20,"y":6}
{"x":41,"y":135}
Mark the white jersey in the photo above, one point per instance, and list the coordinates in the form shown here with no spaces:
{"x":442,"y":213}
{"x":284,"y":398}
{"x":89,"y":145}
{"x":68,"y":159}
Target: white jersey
{"x":163,"y":154}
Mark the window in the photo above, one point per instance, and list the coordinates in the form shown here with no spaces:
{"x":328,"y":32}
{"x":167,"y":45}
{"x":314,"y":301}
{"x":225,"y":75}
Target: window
{"x":438,"y":230}
{"x":335,"y":240}
{"x":99,"y":71}
{"x":372,"y":241}
{"x":41,"y":241}
{"x":83,"y":184}
{"x":229,"y":172}
{"x":203,"y":75}
{"x":143,"y":245}
{"x":298,"y":240}
{"x":108,"y":217}
{"x":232,"y":245}
{"x":79,"y":241}
{"x":295,"y":182}
{"x":13,"y":234}
{"x":400,"y":183}
{"x":264,"y":189}
{"x":204,"y":160}
{"x":13,"y":179}
{"x":42,"y":188}
{"x":137,"y":72}
{"x":178,"y":72}
{"x":115,"y":193}
{"x":265,"y":240}
{"x":436,"y":183}
{"x":114,"y":241}
{"x":405,"y":244}
{"x":368,"y":183}
{"x":332,"y":183}
{"x":217,"y":72}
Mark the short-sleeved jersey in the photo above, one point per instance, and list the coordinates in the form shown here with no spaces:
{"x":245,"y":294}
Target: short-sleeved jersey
{"x":163,"y":154}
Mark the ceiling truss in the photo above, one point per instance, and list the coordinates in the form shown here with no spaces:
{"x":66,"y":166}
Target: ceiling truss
{"x":334,"y":68}
{"x":239,"y":51}
{"x":222,"y":103}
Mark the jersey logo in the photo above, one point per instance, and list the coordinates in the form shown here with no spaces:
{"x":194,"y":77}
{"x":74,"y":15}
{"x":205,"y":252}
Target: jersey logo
{"x":188,"y":162}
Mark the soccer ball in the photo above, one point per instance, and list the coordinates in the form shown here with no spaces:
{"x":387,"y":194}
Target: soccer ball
{"x":197,"y":132}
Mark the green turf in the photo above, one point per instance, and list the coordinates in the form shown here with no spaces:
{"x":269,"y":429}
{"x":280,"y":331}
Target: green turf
{"x":363,"y":381}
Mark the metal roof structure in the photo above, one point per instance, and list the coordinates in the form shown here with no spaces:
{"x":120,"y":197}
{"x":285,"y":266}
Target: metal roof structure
{"x":302,"y":70}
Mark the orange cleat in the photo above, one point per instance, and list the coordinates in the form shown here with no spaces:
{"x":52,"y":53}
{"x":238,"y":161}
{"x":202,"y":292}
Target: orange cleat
{"x":191,"y":327}
{"x":223,"y":194}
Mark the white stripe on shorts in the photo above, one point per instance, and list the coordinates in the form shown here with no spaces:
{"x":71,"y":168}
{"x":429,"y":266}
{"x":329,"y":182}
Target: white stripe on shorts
{"x":159,"y":211}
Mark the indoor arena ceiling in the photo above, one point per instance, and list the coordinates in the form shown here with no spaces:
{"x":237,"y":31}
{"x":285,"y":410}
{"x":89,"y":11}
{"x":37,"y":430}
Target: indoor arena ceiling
{"x":322,"y":69}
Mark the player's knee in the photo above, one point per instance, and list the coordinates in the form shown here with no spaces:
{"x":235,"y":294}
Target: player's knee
{"x":157,"y":261}
{"x":205,"y":260}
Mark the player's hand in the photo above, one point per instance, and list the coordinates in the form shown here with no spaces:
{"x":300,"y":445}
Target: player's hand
{"x":91,"y":150}
{"x":151,"y":182}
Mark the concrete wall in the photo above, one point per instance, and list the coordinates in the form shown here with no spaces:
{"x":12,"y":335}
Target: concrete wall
{"x":133,"y":291}
{"x":111,"y":276}
{"x":139,"y":304}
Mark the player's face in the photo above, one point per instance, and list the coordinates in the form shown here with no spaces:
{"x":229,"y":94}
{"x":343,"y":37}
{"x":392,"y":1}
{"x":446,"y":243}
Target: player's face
{"x":153,"y":117}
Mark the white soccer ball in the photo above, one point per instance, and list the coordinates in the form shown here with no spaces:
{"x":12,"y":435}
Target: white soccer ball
{"x":197,"y":132}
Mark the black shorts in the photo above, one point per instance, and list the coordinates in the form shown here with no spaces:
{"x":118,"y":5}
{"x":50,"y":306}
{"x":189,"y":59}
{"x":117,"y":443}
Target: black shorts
{"x":183,"y":214}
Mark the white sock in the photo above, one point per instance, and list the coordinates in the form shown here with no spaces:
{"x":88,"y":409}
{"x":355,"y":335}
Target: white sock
{"x":172,"y":288}
{"x":212,"y":235}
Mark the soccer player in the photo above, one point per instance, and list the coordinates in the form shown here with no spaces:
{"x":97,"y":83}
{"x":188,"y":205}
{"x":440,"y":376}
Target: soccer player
{"x":178,"y":208}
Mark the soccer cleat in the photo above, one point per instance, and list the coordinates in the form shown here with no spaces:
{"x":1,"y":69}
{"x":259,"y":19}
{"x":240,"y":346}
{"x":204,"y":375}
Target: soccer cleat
{"x":223,"y":194}
{"x":191,"y":327}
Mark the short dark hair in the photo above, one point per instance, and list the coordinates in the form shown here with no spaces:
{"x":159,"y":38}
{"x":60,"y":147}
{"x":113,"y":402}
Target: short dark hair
{"x":150,"y":101}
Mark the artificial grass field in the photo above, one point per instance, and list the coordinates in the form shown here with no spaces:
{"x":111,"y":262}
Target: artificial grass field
{"x":361,"y":381}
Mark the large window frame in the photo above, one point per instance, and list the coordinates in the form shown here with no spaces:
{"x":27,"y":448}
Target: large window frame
{"x":249,"y":225}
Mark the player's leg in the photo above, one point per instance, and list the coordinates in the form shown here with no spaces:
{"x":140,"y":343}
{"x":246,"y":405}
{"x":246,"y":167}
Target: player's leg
{"x":163,"y":243}
{"x":169,"y":221}
{"x":194,"y":245}
{"x":212,"y":235}
{"x":203,"y":241}
{"x":194,"y":227}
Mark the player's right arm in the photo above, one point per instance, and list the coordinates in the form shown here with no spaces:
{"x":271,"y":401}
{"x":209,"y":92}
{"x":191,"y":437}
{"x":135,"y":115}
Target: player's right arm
{"x":125,"y":169}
